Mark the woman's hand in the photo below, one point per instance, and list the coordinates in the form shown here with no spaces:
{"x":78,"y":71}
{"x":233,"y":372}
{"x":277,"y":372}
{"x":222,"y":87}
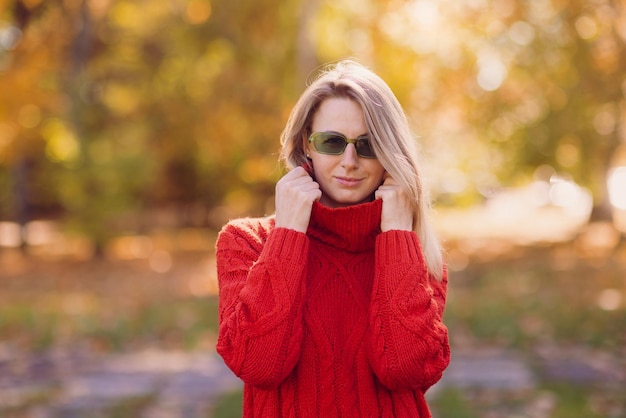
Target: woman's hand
{"x":295,"y":194}
{"x":397,"y":211}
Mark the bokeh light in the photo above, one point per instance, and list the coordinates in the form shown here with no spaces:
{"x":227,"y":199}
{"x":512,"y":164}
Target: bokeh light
{"x":131,"y":132}
{"x":617,"y":187}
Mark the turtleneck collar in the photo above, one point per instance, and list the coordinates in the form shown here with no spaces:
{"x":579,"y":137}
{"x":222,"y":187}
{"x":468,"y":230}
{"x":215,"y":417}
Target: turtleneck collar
{"x":352,"y":228}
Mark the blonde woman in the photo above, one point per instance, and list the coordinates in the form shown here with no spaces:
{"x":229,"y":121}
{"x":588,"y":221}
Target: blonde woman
{"x":333,"y":306}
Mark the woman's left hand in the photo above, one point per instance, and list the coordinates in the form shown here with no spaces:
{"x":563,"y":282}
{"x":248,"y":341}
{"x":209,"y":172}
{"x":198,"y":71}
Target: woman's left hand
{"x":397,"y":211}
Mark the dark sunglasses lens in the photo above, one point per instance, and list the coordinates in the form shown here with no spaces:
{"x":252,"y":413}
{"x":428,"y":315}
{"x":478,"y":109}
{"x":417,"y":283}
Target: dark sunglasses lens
{"x":335,"y":144}
{"x":330,"y":144}
{"x":364,"y":148}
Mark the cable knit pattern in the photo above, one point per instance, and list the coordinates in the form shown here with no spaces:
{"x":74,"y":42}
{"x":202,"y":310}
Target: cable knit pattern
{"x":343,"y":321}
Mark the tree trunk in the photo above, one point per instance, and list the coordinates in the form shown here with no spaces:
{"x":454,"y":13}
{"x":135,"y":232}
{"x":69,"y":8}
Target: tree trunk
{"x":21,"y":204}
{"x":306,"y":56}
{"x":602,"y":209}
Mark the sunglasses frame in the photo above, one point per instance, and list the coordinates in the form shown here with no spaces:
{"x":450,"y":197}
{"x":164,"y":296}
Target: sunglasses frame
{"x":347,"y":140}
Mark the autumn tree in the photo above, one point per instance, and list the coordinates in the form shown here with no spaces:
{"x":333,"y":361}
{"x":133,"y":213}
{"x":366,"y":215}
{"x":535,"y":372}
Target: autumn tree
{"x":113,"y":109}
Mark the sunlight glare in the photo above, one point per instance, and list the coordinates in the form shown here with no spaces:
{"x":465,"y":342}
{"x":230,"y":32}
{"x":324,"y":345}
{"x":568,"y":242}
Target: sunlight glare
{"x":10,"y":234}
{"x":604,"y":122}
{"x":9,"y":37}
{"x":522,"y":33}
{"x":41,"y":233}
{"x":503,"y":8}
{"x":617,"y":188}
{"x":424,"y":13}
{"x":539,"y":193}
{"x":491,"y":72}
{"x":564,"y":193}
{"x":609,"y":299}
{"x":574,"y":199}
{"x":161,"y":261}
{"x":419,"y":25}
{"x":453,"y":182}
{"x":586,"y":27}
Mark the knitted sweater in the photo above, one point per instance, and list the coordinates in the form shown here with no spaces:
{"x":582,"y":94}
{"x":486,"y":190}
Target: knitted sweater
{"x":343,"y":321}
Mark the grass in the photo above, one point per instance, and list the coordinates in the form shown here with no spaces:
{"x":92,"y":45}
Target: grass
{"x":451,"y":403}
{"x":531,"y":302}
{"x":182,"y":323}
{"x":107,"y":306}
{"x":527,"y":300}
{"x":547,"y":400}
{"x":229,"y":405}
{"x":129,"y":407}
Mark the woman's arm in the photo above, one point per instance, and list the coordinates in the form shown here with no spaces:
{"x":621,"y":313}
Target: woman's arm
{"x":260,"y":304}
{"x":408,"y":344}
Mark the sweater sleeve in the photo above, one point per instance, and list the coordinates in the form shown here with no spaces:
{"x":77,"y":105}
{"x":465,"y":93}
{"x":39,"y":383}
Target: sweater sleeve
{"x":408,"y":342}
{"x":261,"y":292}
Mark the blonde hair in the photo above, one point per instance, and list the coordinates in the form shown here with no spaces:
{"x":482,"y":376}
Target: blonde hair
{"x":390,"y":136}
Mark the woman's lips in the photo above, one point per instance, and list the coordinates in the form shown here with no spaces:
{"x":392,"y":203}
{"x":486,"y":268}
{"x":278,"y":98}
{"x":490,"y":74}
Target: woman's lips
{"x":348,"y":181}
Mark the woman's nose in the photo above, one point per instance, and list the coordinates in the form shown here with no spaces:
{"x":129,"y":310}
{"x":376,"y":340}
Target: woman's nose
{"x":350,"y":157}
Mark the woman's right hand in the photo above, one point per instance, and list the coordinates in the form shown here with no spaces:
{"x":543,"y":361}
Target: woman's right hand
{"x":295,"y":194}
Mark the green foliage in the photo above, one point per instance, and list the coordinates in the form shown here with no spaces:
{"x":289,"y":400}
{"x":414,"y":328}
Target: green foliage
{"x":529,"y":303}
{"x":450,"y":403}
{"x":130,"y":407}
{"x":184,"y":323}
{"x":554,"y":401}
{"x":573,"y":401}
{"x":228,"y":405}
{"x":123,"y":106}
{"x":522,"y":303}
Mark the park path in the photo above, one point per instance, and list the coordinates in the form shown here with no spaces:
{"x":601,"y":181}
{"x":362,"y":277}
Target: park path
{"x":75,"y":385}
{"x":177,"y":384}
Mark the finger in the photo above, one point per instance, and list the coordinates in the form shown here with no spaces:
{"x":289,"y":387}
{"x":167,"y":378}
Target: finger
{"x":296,"y":172}
{"x":388,"y":192}
{"x":296,"y":175}
{"x":304,"y":181}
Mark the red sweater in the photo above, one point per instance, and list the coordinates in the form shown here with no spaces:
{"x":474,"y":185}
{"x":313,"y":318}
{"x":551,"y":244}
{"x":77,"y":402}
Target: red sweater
{"x":343,"y":321}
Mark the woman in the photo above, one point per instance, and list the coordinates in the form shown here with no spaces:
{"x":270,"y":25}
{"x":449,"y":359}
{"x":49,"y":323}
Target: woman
{"x":333,"y":306}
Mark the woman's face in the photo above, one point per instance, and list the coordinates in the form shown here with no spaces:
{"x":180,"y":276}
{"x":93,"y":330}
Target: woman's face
{"x":345,"y":179}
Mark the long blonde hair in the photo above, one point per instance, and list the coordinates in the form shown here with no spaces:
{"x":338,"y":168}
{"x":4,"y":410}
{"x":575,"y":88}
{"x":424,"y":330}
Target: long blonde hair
{"x":390,"y":133}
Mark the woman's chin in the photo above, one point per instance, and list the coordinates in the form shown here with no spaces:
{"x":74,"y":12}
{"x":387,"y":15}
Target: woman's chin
{"x":344,"y":200}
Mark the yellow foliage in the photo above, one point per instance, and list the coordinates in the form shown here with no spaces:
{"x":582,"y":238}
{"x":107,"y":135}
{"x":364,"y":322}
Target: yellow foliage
{"x":121,"y":99}
{"x":62,"y":146}
{"x":198,"y":11}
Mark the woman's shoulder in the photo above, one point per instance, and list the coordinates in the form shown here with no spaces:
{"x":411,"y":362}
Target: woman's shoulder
{"x":251,"y":230}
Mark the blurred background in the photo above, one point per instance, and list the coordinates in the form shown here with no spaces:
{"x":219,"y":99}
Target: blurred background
{"x":131,"y":131}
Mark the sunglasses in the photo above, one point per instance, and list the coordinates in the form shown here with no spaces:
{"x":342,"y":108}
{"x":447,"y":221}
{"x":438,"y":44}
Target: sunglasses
{"x":334,"y":143}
